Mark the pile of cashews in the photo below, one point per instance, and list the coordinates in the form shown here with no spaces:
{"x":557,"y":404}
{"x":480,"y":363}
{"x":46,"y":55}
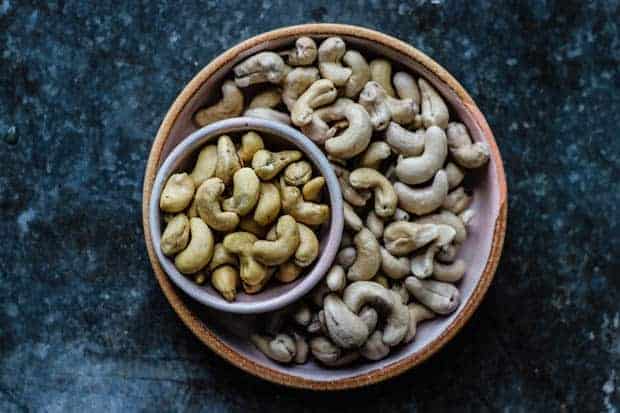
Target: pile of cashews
{"x":390,"y":138}
{"x":243,"y":224}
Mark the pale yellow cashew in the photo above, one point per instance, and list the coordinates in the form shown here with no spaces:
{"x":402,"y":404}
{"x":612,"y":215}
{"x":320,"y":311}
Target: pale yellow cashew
{"x":221,"y":256}
{"x":445,"y":217}
{"x":331,"y":52}
{"x":251,"y":142}
{"x":320,"y":93}
{"x":356,"y":137}
{"x":199,"y":251}
{"x":401,"y":237}
{"x":351,"y":219}
{"x":205,"y":165}
{"x":253,"y":274}
{"x":417,"y":169}
{"x":269,"y":114}
{"x":360,"y":73}
{"x":457,"y":201}
{"x":227,"y":160}
{"x":176,"y":235}
{"x":230,"y":106}
{"x":280,"y":348}
{"x":283,"y":247}
{"x":440,"y":297}
{"x":385,"y":196}
{"x":269,"y":98}
{"x":312,"y":189}
{"x":225,"y":280}
{"x":405,"y":142}
{"x":417,"y":314}
{"x":298,"y":173}
{"x":268,"y":164}
{"x":246,"y":190}
{"x":465,"y":153}
{"x":434,"y":109}
{"x":377,"y":152}
{"x":374,"y":224}
{"x":249,"y":224}
{"x":308,"y":213}
{"x":382,"y":108}
{"x":269,"y":204}
{"x":344,"y":327}
{"x":303,"y":54}
{"x":421,"y":201}
{"x":208,"y":206}
{"x":406,"y":87}
{"x":449,"y":272}
{"x":262,"y":67}
{"x":368,"y":258}
{"x":381,"y":72}
{"x":308,"y":248}
{"x":177,"y":193}
{"x":288,"y":272}
{"x":422,"y":263}
{"x":455,"y":175}
{"x":296,"y":83}
{"x":350,"y":194}
{"x":395,"y":268}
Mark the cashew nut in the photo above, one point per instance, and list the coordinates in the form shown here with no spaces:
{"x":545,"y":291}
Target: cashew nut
{"x":199,"y":251}
{"x":403,"y":141}
{"x":320,"y":93}
{"x":262,"y":67}
{"x":465,"y":153}
{"x":176,"y":235}
{"x":177,"y":193}
{"x":455,"y":175}
{"x":424,"y":200}
{"x":230,"y":106}
{"x":283,"y":247}
{"x":227,"y":160}
{"x":374,"y":348}
{"x":382,"y":108}
{"x":457,"y":201}
{"x":269,"y":114}
{"x":296,"y":83}
{"x":350,"y":194}
{"x":288,"y":272}
{"x":252,"y":272}
{"x":445,"y":217}
{"x":208,"y":206}
{"x":301,"y":349}
{"x":225,"y":279}
{"x":402,"y":237}
{"x":331,"y":51}
{"x":308,"y":248}
{"x":406,"y":87}
{"x":381,"y":280}
{"x":374,"y":224}
{"x":221,"y":256}
{"x":376,"y":153}
{"x":312,"y":189}
{"x":360,"y":73}
{"x":298,"y":173}
{"x":249,"y":224}
{"x":269,"y":203}
{"x":434,"y":110}
{"x":302,"y":315}
{"x":269,"y":98}
{"x":447,"y":253}
{"x":368,"y":258}
{"x":385,"y":196}
{"x":336,"y":279}
{"x":308,"y":213}
{"x":329,"y":354}
{"x":395,"y":268}
{"x":246,"y":190}
{"x":381,"y":72}
{"x":303,"y":54}
{"x":399,"y":289}
{"x":417,"y":314}
{"x":346,"y":257}
{"x":344,"y":327}
{"x":205,"y":165}
{"x":281,"y":348}
{"x":422,"y":264}
{"x":440,"y":297}
{"x":417,"y":169}
{"x":351,"y":219}
{"x":449,"y":272}
{"x":370,"y":317}
{"x":268,"y":164}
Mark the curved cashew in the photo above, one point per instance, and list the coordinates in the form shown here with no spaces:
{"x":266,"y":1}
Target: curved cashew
{"x":368,"y":258}
{"x":176,"y":235}
{"x":268,"y":206}
{"x":360,"y":293}
{"x":381,"y":72}
{"x":403,"y":141}
{"x":268,"y":164}
{"x":455,"y":175}
{"x":225,"y":279}
{"x":269,"y":114}
{"x":249,"y":224}
{"x":296,"y":83}
{"x":401,"y":215}
{"x":262,"y":67}
{"x":320,"y":93}
{"x":205,"y":165}
{"x":269,"y":98}
{"x":288,"y":272}
{"x":199,"y":251}
{"x":385,"y":196}
{"x":400,"y":290}
{"x":308,"y":248}
{"x":449,"y":272}
{"x":331,"y":51}
{"x":252,"y":272}
{"x":301,"y":349}
{"x":230,"y":106}
{"x":177,"y":193}
{"x":208,"y":206}
{"x":376,"y":153}
{"x":447,"y":253}
{"x":382,"y":108}
{"x":395,"y":268}
{"x":465,"y":153}
{"x":370,"y":317}
{"x":246,"y":190}
{"x":283,"y":247}
{"x":447,"y":218}
{"x":298,"y":173}
{"x":351,"y":219}
{"x":344,"y":327}
{"x":422,"y":264}
{"x":281,"y":348}
{"x":227,"y":160}
{"x":434,"y":110}
{"x":374,"y":224}
{"x":350,"y":194}
{"x":374,"y":348}
{"x":336,"y":279}
{"x":312,"y":189}
{"x":442,"y":298}
{"x":329,"y":354}
{"x":417,"y":314}
{"x":303,"y":54}
{"x":360,"y":73}
{"x":467,"y":216}
{"x":457,"y":201}
{"x":417,"y":169}
{"x":346,"y":257}
{"x":308,"y":213}
{"x":402,"y":237}
{"x":406,"y":87}
{"x":422,"y":201}
{"x":221,"y":256}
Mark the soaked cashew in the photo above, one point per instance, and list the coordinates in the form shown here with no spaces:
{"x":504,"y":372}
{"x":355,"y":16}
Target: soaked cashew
{"x":252,"y":272}
{"x":331,"y":51}
{"x":225,"y":279}
{"x":424,"y":200}
{"x":205,"y":165}
{"x":262,"y":67}
{"x":381,"y":72}
{"x":350,"y":194}
{"x":320,"y":93}
{"x":382,"y":108}
{"x":269,"y":114}
{"x":374,"y":224}
{"x":288,"y":272}
{"x":351,"y":219}
{"x":417,"y":169}
{"x":283,"y":247}
{"x":368,"y":258}
{"x":406,"y":87}
{"x":269,"y":98}
{"x":303,"y":54}
{"x":296,"y":83}
{"x":199,"y":251}
{"x":208,"y":206}
{"x":298,"y":173}
{"x":346,"y":257}
{"x":308,"y":248}
{"x":312,"y":189}
{"x":227,"y":160}
{"x":374,"y":348}
{"x":344,"y":327}
{"x":230,"y":106}
{"x":403,"y":141}
{"x":308,"y":213}
{"x":177,"y":193}
{"x":455,"y":175}
{"x":417,"y":314}
{"x":336,"y":279}
{"x":440,"y":297}
{"x":221,"y":256}
{"x":246,"y":191}
{"x":403,"y":237}
{"x":434,"y":110}
{"x":457,"y":201}
{"x":465,"y":153}
{"x":385,"y":196}
{"x":360,"y":73}
{"x":176,"y":235}
{"x":280,"y":348}
{"x":268,"y":164}
{"x":376,"y":153}
{"x":268,"y":207}
{"x":395,"y":268}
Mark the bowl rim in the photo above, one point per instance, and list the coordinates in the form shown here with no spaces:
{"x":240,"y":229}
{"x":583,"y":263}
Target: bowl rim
{"x":190,"y":145}
{"x":196,"y":325}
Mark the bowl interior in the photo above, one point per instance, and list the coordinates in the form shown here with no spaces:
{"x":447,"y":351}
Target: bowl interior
{"x":232,"y":331}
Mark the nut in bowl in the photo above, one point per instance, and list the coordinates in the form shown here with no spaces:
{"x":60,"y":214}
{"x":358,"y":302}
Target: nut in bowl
{"x":245,"y":205}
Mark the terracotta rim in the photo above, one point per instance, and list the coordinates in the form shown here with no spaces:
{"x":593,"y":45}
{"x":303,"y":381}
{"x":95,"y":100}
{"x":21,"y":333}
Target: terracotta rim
{"x":202,"y":331}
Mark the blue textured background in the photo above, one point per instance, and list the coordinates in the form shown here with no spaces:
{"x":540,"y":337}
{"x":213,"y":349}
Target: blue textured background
{"x":83,"y":88}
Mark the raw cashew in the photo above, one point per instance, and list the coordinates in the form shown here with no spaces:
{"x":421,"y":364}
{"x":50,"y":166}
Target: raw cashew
{"x":303,"y":54}
{"x":346,"y":257}
{"x":395,"y":268}
{"x":422,"y":264}
{"x":302,"y":315}
{"x":360,"y":73}
{"x":208,"y":206}
{"x":370,"y":317}
{"x":336,"y":279}
{"x":374,"y":348}
{"x":288,"y":272}
{"x":205,"y":165}
{"x":449,"y":272}
{"x":465,"y":153}
{"x":308,"y":248}
{"x":351,"y":219}
{"x":262,"y":67}
{"x":268,"y":164}
{"x":320,"y":93}
{"x":345,"y":328}
{"x":296,"y":83}
{"x":446,"y":218}
{"x":399,"y":289}
{"x":227,"y":160}
{"x":308,"y":213}
{"x":350,"y":194}
{"x":354,"y":139}
{"x":278,"y":251}
{"x":176,"y":235}
{"x":269,"y":114}
{"x":401,"y":215}
{"x":402,"y":237}
{"x":374,"y":224}
{"x":246,"y":190}
{"x":447,"y":253}
{"x":417,"y":314}
{"x":385,"y":197}
{"x":405,"y":142}
{"x":434,"y":110}
{"x":230,"y":106}
{"x":177,"y":193}
{"x":381,"y":72}
{"x":269,"y":203}
{"x":312,"y":189}
{"x":457,"y":201}
{"x":252,"y":272}
{"x":301,"y":349}
{"x":225,"y":279}
{"x":376,"y":153}
{"x":382,"y":108}
{"x":331,"y":51}
{"x":368,"y":259}
{"x":440,"y":297}
{"x":455,"y":175}
{"x":249,"y":224}
{"x":417,"y":169}
{"x":269,"y":98}
{"x":221,"y":256}
{"x":422,"y":201}
{"x":281,"y":348}
{"x":199,"y":251}
{"x":298,"y":173}
{"x":360,"y":293}
{"x":406,"y":87}
{"x":329,"y":354}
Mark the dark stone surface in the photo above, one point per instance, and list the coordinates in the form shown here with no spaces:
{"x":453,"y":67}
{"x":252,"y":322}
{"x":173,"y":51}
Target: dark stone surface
{"x":83,"y":88}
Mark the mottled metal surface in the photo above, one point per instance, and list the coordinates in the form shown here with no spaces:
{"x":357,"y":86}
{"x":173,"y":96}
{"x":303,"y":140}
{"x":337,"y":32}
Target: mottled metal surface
{"x":83,"y":87}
